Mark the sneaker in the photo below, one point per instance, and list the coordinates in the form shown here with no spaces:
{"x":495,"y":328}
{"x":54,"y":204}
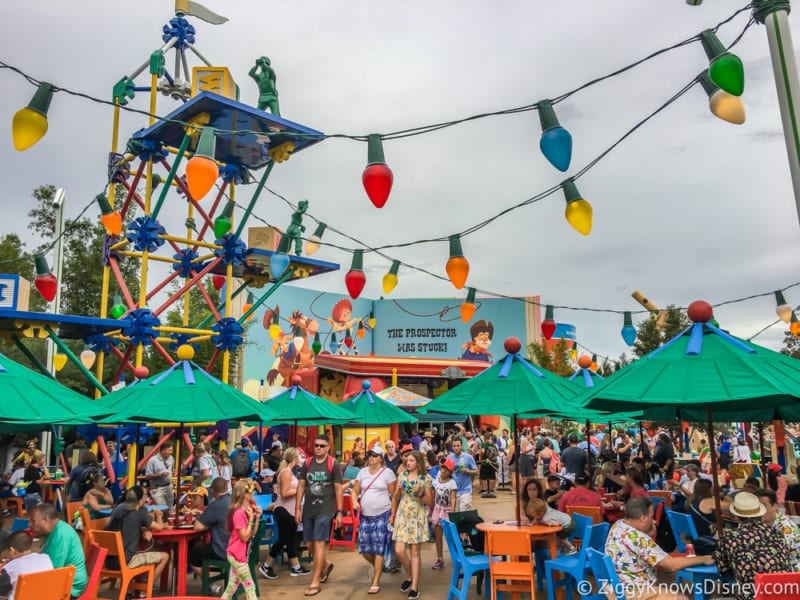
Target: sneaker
{"x":568,"y":549}
{"x":215,"y":589}
{"x":490,"y":495}
{"x":405,"y":586}
{"x":267,"y":571}
{"x":413,"y":594}
{"x":396,"y":568}
{"x":6,"y":513}
{"x":299,"y":570}
{"x":439,"y":564}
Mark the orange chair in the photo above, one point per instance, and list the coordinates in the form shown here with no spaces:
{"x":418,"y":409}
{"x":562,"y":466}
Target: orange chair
{"x":777,"y":586}
{"x":595,"y":512}
{"x":515,"y":544}
{"x":72,"y":508}
{"x":665,"y":494}
{"x":53,"y":585}
{"x":14,"y":503}
{"x":350,"y":521}
{"x":112,"y":541}
{"x":94,"y":565}
{"x":90,"y":525}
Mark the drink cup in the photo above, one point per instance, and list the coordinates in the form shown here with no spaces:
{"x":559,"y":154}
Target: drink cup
{"x":690,"y":550}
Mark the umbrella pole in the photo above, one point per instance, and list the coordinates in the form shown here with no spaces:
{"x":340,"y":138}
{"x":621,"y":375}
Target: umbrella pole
{"x":517,"y":449}
{"x":260,"y":445}
{"x":761,"y":453}
{"x":589,"y":451}
{"x":715,"y":475}
{"x":641,"y":439}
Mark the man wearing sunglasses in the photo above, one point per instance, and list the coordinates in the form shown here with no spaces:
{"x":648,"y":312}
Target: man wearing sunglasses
{"x":320,"y":486}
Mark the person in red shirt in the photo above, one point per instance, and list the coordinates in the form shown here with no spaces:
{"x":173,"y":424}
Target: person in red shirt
{"x":581,"y":495}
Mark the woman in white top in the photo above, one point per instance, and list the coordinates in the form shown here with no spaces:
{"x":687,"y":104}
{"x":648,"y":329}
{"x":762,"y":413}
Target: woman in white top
{"x":283,"y":510}
{"x":741,"y":453}
{"x":372,"y":496}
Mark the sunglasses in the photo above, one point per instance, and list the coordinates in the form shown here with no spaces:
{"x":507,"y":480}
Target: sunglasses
{"x":320,"y":445}
{"x":372,"y":454}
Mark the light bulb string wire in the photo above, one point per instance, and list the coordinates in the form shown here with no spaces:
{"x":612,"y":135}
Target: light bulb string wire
{"x":413,"y":131}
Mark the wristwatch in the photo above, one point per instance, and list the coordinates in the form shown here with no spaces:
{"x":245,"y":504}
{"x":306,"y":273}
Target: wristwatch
{"x":339,"y":512}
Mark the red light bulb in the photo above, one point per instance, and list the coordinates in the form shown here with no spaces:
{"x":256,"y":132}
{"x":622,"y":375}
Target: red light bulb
{"x":355,"y":278}
{"x":549,"y":324}
{"x":45,"y":282}
{"x":377,"y":176}
{"x":218,"y":281}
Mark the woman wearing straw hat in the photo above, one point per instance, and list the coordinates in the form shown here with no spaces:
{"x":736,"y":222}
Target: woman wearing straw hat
{"x":753,"y":547}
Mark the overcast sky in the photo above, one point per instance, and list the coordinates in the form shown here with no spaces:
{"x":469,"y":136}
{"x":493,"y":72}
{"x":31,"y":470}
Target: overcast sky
{"x":688,"y":207}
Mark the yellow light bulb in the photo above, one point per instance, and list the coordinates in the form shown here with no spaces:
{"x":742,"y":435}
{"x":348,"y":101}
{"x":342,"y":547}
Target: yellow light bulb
{"x":372,"y":322}
{"x":727,"y":107}
{"x":27,"y":128}
{"x":579,"y":215}
{"x":389,"y":282}
{"x":274,"y":331}
{"x":312,"y":244}
{"x":59,"y":360}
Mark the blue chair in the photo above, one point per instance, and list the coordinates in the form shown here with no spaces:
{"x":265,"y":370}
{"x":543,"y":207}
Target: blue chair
{"x":604,"y":573}
{"x":684,"y":530}
{"x":575,"y":567}
{"x":463,"y":566}
{"x":542,"y":555}
{"x":20,"y":524}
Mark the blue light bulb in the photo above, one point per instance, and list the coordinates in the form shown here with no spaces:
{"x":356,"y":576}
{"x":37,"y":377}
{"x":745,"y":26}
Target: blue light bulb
{"x":556,"y":145}
{"x":279,"y":262}
{"x":629,"y":334}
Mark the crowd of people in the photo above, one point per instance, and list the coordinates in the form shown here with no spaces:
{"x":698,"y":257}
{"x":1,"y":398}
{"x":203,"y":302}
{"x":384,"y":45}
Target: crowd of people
{"x":403,"y":489}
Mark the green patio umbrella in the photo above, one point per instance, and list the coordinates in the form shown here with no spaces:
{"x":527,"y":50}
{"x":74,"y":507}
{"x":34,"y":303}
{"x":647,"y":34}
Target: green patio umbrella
{"x":512,"y":386}
{"x":402,"y":397}
{"x":184,"y":394}
{"x":32,"y":398}
{"x":703,"y":371}
{"x":298,"y":406}
{"x":369,"y":409}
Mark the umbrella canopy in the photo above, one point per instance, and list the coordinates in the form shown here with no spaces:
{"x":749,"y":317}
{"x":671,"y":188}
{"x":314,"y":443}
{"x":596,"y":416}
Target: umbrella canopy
{"x":366,"y":407}
{"x":512,"y":386}
{"x":35,"y":399}
{"x":704,"y":366}
{"x":402,"y":397}
{"x":184,"y":393}
{"x":297,"y":406}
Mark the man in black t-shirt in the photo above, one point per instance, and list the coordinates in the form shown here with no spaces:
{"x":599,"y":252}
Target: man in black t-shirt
{"x":135,"y":523}
{"x":212,"y":519}
{"x":573,"y":458}
{"x":664,"y":456}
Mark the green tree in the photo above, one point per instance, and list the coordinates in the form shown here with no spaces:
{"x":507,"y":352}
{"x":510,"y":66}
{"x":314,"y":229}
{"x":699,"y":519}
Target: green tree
{"x":557,"y":361}
{"x":791,"y":345}
{"x":651,"y":334}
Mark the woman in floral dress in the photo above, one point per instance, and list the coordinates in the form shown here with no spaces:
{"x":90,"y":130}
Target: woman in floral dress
{"x":409,"y":517}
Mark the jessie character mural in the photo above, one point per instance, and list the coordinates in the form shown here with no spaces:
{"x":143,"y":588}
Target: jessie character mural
{"x":342,"y":321}
{"x":478,"y":349}
{"x":292,"y":351}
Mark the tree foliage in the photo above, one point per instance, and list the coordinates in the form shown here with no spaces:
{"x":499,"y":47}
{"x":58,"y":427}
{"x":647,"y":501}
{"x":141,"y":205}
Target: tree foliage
{"x":557,"y":361}
{"x":650,"y":334}
{"x":791,"y":345}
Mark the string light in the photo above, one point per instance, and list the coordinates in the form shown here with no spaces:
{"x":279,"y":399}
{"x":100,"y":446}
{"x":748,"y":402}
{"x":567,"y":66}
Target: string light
{"x":628,"y":330}
{"x":355,"y":278}
{"x":110,"y":218}
{"x":46,"y":283}
{"x":457,"y":266}
{"x":88,"y":357}
{"x":316,"y":346}
{"x":202,"y":170}
{"x":371,"y":320}
{"x":549,"y":324}
{"x":377,"y":176}
{"x":218,"y":281}
{"x":722,"y":104}
{"x":313,"y":243}
{"x":794,"y":325}
{"x":248,"y":305}
{"x":30,"y":123}
{"x":390,"y":279}
{"x":223,"y":223}
{"x":468,"y":306}
{"x":279,"y":261}
{"x":556,"y":142}
{"x":118,"y":308}
{"x":578,"y":211}
{"x":783,"y":310}
{"x":275,"y":328}
{"x":725,"y":69}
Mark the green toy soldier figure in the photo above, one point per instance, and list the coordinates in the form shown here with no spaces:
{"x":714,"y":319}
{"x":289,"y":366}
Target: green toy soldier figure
{"x":267,"y":90}
{"x":296,"y":227}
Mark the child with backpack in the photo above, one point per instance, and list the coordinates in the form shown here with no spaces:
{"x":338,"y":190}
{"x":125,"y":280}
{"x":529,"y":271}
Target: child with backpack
{"x":242,"y":460}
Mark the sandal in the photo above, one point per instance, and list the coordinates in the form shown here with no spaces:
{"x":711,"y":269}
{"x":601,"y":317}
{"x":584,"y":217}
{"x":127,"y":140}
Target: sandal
{"x":326,"y":574}
{"x":312,"y":591}
{"x":374,"y":589}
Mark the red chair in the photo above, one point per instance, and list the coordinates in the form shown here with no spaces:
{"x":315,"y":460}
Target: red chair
{"x":350,"y":521}
{"x":777,"y":586}
{"x":659,"y":512}
{"x":94,"y":566}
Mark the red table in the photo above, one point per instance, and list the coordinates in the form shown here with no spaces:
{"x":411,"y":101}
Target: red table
{"x":179,"y":536}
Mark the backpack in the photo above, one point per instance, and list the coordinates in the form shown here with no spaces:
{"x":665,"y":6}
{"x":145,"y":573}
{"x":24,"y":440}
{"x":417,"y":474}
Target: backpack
{"x":240,"y":464}
{"x":490,"y":453}
{"x":330,"y":463}
{"x":86,"y":482}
